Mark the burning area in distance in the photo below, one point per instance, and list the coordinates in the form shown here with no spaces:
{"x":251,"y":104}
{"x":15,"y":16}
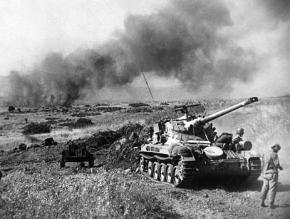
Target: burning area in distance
{"x":183,"y":40}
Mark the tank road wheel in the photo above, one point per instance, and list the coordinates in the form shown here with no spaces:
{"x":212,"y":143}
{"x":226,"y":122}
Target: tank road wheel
{"x":156,"y":174}
{"x":163,"y":172}
{"x":142,"y":164}
{"x":150,"y":168}
{"x":177,"y":177}
{"x":91,"y":162}
{"x":62,"y":163}
{"x":170,"y":175}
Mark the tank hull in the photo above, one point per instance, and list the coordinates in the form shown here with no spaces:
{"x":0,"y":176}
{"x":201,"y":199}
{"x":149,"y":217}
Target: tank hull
{"x":181,"y":168}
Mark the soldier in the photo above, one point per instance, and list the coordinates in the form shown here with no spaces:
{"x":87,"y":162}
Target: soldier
{"x":270,"y":176}
{"x":156,"y":138}
{"x":240,"y":133}
{"x":235,"y":144}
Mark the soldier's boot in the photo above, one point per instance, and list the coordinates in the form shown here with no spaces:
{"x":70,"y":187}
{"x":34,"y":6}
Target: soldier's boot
{"x":264,"y":192}
{"x":263,"y":204}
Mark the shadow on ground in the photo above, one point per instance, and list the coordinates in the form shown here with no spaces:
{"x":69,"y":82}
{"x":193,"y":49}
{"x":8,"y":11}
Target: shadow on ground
{"x":282,"y":206}
{"x":227,"y":184}
{"x":283,"y":187}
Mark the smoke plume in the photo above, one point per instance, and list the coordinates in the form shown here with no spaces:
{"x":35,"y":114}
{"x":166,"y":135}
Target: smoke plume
{"x":280,"y":9}
{"x":183,"y":40}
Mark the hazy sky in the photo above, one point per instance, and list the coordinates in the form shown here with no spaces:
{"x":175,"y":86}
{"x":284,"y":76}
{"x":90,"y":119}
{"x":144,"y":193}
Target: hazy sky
{"x":29,"y":29}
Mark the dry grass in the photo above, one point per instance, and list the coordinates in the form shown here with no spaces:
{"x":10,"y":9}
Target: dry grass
{"x":36,"y":187}
{"x":44,"y":191}
{"x":270,"y":126}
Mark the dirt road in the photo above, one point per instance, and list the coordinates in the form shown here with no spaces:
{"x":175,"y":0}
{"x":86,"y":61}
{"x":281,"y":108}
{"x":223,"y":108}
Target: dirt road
{"x":213,"y":200}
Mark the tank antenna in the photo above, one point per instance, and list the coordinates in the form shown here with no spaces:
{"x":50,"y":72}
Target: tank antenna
{"x":147,"y":86}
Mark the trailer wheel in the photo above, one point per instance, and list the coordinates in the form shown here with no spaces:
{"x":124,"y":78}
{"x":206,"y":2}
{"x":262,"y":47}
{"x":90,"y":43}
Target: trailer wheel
{"x":91,"y":162}
{"x":62,"y":163}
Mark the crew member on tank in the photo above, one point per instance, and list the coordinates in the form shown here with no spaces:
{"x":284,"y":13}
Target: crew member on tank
{"x":238,"y":139}
{"x":270,"y":175}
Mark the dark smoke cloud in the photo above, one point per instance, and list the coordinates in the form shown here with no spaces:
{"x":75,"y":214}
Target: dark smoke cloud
{"x":183,"y":40}
{"x":279,"y":9}
{"x":279,"y":12}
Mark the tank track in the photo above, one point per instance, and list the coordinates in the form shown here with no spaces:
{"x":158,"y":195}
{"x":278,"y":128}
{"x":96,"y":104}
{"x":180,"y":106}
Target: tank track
{"x":178,"y":173}
{"x":255,"y":167}
{"x":183,"y":172}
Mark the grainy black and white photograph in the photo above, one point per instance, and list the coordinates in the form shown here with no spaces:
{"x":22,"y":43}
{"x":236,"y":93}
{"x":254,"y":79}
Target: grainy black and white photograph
{"x":145,"y":109}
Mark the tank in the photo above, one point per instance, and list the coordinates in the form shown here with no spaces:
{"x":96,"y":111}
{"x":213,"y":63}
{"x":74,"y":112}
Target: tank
{"x":182,"y":150}
{"x":77,"y":152}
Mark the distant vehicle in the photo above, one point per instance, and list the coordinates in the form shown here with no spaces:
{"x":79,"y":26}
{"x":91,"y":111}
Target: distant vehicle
{"x":77,"y":152}
{"x":187,"y":148}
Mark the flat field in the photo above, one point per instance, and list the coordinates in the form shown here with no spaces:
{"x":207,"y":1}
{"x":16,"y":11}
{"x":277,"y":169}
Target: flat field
{"x":34,"y":186}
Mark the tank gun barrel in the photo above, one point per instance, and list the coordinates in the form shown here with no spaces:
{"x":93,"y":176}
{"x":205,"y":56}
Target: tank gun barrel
{"x":228,"y":110}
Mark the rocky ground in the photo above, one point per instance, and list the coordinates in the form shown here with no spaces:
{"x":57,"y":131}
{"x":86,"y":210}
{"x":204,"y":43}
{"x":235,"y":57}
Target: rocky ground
{"x":34,"y":186}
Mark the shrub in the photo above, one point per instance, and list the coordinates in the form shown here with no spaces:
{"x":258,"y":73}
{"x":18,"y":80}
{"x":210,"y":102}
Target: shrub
{"x":22,"y":147}
{"x":11,"y":109}
{"x":139,"y":110}
{"x":37,"y":128}
{"x":82,"y":122}
{"x":138,"y":104}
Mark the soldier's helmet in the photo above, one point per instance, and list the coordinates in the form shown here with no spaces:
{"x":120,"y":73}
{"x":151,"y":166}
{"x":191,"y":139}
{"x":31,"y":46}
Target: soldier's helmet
{"x":240,"y":131}
{"x":277,"y":146}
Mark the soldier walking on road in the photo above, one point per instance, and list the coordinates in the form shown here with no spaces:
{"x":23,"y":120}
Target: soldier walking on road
{"x":270,"y":176}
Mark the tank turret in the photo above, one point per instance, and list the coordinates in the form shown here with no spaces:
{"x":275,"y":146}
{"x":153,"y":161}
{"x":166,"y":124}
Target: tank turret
{"x":185,"y":109}
{"x":200,"y":126}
